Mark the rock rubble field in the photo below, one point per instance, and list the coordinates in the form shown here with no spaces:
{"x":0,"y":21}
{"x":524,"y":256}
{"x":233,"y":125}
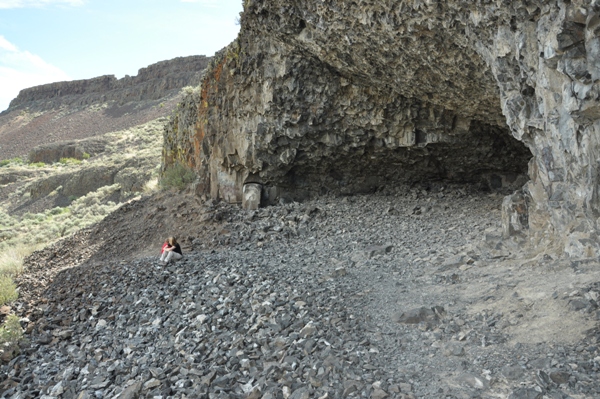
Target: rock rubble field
{"x":406,"y":293}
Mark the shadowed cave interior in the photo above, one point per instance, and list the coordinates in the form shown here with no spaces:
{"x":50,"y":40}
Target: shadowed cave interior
{"x":487,"y":157}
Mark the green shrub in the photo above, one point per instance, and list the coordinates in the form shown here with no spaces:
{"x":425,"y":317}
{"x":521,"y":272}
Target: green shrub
{"x":11,"y":333}
{"x":6,"y":162}
{"x":177,"y":176}
{"x":85,"y":155}
{"x":8,"y":290}
{"x":11,"y":330}
{"x":37,"y":164}
{"x":28,"y":216}
{"x":5,"y":220}
{"x":69,"y":161}
{"x":58,"y":211}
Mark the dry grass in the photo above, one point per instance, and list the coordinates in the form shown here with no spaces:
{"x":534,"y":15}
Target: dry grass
{"x":151,"y":186}
{"x":8,"y":290}
{"x":11,"y":259}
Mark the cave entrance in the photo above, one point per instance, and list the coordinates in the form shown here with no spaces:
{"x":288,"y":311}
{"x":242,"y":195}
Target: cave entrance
{"x":486,"y":157}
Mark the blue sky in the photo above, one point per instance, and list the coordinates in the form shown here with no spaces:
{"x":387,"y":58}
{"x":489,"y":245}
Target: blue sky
{"x":44,"y":41}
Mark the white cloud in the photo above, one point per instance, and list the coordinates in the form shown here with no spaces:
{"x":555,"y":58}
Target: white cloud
{"x":6,"y":45}
{"x":5,"y":4}
{"x":20,"y":69}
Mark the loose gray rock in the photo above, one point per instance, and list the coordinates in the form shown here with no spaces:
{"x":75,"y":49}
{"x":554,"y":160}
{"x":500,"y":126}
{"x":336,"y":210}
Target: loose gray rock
{"x":237,"y":319}
{"x":526,"y":393}
{"x":416,"y":316}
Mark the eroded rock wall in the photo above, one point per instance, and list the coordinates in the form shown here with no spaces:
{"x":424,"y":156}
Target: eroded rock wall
{"x":341,"y":96}
{"x":301,"y":128}
{"x":545,"y":58}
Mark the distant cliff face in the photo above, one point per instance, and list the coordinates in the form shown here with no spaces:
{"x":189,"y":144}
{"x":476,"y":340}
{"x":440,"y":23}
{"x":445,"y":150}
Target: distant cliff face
{"x":320,"y":96}
{"x":151,"y":83}
{"x":80,"y":109}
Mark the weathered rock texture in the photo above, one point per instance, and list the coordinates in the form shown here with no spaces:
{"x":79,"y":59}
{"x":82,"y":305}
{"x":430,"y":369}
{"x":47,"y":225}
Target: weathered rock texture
{"x":345,"y":96}
{"x":77,"y":149}
{"x":151,"y":83}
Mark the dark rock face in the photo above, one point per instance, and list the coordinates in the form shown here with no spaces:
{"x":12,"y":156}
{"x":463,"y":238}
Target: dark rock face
{"x":151,"y":83}
{"x":343,"y":96}
{"x":334,"y":136}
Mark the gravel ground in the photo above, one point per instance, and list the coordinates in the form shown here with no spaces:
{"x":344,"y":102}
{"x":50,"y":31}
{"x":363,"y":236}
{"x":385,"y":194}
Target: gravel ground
{"x":406,"y":293}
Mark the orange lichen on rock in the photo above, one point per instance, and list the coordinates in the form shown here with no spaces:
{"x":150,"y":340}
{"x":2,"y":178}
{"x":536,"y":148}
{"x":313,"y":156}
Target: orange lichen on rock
{"x":219,"y":69}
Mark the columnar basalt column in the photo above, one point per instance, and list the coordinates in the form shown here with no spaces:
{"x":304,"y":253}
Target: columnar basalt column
{"x":546,"y":61}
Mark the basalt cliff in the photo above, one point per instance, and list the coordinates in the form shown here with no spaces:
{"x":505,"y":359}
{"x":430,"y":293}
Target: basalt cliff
{"x":345,"y":97}
{"x":55,"y":114}
{"x":151,"y":83}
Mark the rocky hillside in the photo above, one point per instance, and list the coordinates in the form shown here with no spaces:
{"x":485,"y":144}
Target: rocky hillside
{"x":81,"y":109}
{"x":349,"y":96}
{"x":73,"y":152}
{"x":406,"y":293}
{"x":72,"y":185}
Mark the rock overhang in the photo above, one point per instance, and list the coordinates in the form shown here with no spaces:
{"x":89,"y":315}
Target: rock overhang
{"x":305,"y":126}
{"x":311,"y":87}
{"x":402,"y":47}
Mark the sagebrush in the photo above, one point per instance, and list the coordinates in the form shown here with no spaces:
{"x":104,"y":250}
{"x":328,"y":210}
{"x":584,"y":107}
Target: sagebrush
{"x":8,"y":290}
{"x":23,"y":233}
{"x":11,"y":333}
{"x":177,"y":176}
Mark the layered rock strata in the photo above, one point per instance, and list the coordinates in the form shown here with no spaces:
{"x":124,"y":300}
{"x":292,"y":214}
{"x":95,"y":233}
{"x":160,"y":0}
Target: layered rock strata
{"x":346,"y":96}
{"x":77,"y":149}
{"x":151,"y":83}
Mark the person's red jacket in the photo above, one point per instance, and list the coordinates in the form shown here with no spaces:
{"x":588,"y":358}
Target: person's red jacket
{"x":165,"y":245}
